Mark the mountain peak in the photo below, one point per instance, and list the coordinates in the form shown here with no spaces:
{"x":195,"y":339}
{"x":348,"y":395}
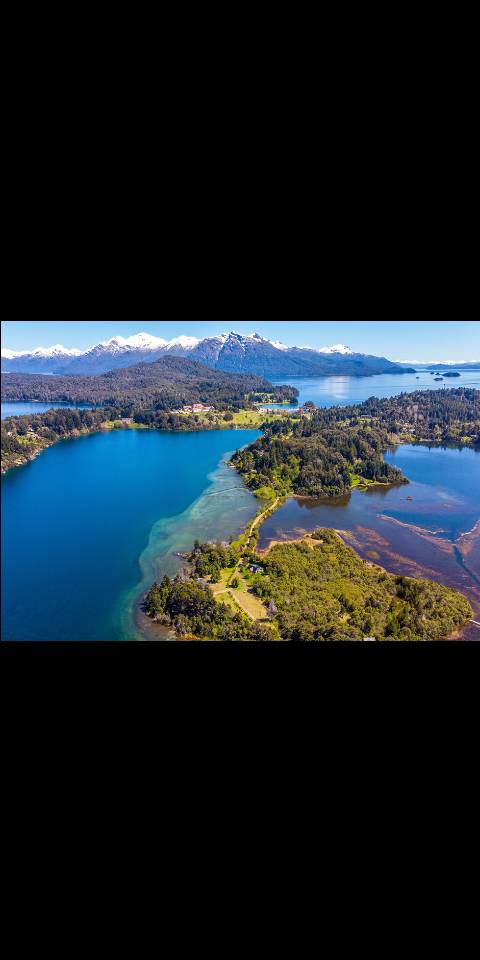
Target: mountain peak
{"x":188,"y":343}
{"x":231,"y":352}
{"x":339,"y":348}
{"x":56,"y":351}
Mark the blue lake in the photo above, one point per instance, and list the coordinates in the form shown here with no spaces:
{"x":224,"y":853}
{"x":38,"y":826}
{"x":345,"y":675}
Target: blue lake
{"x":91,"y":521}
{"x":24,"y":406}
{"x":323,"y":391}
{"x":342,"y":391}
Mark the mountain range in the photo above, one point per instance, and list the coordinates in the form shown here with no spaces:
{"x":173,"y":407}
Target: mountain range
{"x":228,"y":352}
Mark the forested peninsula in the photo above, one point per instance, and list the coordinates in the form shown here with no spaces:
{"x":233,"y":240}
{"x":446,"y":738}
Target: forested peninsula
{"x":326,"y":453}
{"x":172,"y":394}
{"x":315,"y":590}
{"x":319,"y":589}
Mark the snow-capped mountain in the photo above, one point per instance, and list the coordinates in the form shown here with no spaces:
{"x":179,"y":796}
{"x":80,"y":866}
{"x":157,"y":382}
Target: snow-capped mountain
{"x":338,"y":348}
{"x":230,"y":352}
{"x":41,"y":360}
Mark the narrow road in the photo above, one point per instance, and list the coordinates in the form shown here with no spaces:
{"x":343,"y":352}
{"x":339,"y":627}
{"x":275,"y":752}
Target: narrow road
{"x":259,"y":519}
{"x":255,"y":524}
{"x":477,"y":624}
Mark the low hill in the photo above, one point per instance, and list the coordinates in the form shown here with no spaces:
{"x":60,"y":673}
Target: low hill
{"x":165,"y":384}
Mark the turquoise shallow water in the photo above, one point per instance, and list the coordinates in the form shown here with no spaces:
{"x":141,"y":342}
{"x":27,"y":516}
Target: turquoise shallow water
{"x":92,"y":522}
{"x":77,"y":520}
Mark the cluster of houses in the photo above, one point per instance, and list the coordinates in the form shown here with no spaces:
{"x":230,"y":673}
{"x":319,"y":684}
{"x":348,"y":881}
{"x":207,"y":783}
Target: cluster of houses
{"x":195,"y":408}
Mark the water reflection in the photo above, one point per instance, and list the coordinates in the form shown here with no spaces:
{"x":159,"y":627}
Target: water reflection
{"x":342,"y":391}
{"x":425,"y":529}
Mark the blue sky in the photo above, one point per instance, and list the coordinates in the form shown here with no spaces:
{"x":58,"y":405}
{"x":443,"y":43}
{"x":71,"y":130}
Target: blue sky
{"x":419,"y":340}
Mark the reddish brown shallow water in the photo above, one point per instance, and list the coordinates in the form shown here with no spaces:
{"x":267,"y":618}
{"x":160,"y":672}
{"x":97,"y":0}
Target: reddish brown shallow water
{"x":429,"y":529}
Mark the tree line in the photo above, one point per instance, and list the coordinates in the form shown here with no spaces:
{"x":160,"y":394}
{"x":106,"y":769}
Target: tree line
{"x":321,"y":591}
{"x":164,"y":386}
{"x":325,"y":453}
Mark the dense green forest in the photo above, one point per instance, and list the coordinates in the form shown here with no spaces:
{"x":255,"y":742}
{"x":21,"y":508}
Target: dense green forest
{"x":328,"y":451}
{"x":191,"y":610}
{"x":323,"y":462}
{"x":436,"y":416}
{"x":148,"y":395}
{"x":163,"y":386}
{"x":318,"y":590}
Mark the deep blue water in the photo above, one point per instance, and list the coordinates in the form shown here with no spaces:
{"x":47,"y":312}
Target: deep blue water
{"x":22,"y":407}
{"x":342,"y":391}
{"x":76,"y":521}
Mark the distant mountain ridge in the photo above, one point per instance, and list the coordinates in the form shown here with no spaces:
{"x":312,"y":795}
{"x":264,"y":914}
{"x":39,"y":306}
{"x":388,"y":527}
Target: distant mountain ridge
{"x":228,"y":352}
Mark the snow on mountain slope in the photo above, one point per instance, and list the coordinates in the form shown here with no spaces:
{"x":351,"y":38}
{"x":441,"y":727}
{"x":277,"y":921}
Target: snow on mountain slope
{"x":12,"y":354}
{"x":186,"y":343}
{"x":56,"y":351}
{"x":339,"y":348}
{"x":230,"y":352}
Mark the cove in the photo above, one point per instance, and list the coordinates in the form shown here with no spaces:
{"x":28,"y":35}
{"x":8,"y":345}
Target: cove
{"x":78,"y":519}
{"x":428,"y":529}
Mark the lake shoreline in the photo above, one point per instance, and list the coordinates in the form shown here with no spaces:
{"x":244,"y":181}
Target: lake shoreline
{"x":465,"y":633}
{"x":466,"y":542}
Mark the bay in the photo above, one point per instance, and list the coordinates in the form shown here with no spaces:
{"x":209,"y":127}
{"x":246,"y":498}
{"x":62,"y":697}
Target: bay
{"x":430,"y":528}
{"x":342,"y":391}
{"x":78,"y":519}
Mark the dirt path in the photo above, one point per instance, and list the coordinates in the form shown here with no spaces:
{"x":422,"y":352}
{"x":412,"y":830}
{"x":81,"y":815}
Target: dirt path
{"x":254,"y":526}
{"x":256,"y":523}
{"x":249,"y":601}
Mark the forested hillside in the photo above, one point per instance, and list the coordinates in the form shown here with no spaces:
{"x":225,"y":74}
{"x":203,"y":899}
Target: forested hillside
{"x":166,"y":385}
{"x":327,"y":452}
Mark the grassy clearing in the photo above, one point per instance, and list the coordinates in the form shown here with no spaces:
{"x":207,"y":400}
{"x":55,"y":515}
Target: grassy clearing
{"x":239,"y":598}
{"x":225,"y":597}
{"x":248,"y":419}
{"x":250,"y":604}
